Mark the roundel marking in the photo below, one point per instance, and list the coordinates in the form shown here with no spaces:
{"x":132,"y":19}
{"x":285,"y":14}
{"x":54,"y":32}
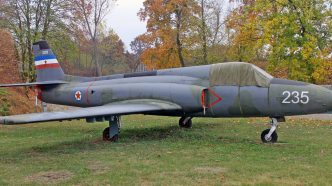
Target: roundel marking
{"x":78,"y":95}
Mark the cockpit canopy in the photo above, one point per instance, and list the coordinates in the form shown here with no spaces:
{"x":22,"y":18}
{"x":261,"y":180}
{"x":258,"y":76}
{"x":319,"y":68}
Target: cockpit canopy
{"x":238,"y":74}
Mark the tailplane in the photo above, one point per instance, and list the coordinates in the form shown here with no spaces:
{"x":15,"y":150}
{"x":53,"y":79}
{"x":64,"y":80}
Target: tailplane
{"x":47,"y":66}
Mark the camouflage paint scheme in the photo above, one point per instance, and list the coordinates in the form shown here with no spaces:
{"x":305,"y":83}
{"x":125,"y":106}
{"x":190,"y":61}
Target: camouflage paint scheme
{"x":184,"y":86}
{"x":183,"y":92}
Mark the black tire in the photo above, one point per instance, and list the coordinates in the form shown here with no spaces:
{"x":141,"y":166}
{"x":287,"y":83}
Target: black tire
{"x":115,"y":138}
{"x":106,"y":134}
{"x":188,"y":124}
{"x":273,"y":138}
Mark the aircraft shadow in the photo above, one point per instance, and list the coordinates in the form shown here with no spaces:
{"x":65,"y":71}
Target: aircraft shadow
{"x":136,"y":135}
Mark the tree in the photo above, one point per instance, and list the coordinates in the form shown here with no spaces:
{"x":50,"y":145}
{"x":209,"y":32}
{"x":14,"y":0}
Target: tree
{"x":30,"y":20}
{"x":91,"y":14}
{"x":168,"y":28}
{"x":294,"y":34}
{"x":137,"y":47}
{"x":209,"y":27}
{"x":111,"y":49}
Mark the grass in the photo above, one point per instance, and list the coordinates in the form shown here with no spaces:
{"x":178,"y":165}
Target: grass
{"x":155,"y":151}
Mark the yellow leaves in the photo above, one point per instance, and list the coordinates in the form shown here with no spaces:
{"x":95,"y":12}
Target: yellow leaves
{"x":323,"y":71}
{"x":162,"y":56}
{"x":167,"y":32}
{"x":293,"y":31}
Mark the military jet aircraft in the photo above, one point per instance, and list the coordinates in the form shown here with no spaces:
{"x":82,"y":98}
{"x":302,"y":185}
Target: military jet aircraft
{"x":232,"y":89}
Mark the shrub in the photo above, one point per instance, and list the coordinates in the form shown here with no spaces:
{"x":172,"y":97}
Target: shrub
{"x":4,"y":103}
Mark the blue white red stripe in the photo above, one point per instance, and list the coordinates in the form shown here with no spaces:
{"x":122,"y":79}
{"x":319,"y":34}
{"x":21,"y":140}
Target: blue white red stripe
{"x":44,"y":57}
{"x":46,"y":61}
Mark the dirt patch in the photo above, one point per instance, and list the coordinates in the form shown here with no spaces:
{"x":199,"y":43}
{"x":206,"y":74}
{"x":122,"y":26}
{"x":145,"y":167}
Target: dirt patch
{"x":51,"y":177}
{"x":99,"y":167}
{"x":210,"y":170}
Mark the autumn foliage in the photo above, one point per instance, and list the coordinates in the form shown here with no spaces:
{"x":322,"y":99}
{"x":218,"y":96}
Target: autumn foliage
{"x":168,"y":28}
{"x":291,"y":38}
{"x":291,"y":35}
{"x":16,"y":100}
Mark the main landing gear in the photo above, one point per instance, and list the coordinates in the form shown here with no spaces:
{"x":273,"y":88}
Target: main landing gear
{"x":185,"y":122}
{"x":270,"y":135}
{"x":111,"y":133}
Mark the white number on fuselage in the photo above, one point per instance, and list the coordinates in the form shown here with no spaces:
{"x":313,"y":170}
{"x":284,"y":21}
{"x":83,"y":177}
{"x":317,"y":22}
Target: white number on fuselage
{"x":295,"y":97}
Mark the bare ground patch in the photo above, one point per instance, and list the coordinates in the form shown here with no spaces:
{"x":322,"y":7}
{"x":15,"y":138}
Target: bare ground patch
{"x":98,"y":167}
{"x":50,"y":177}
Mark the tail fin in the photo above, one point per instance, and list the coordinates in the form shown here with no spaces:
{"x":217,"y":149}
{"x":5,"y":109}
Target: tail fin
{"x":47,"y":66}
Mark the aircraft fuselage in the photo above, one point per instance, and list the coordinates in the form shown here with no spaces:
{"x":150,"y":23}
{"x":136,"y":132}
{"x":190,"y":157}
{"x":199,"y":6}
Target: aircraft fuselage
{"x":187,"y":88}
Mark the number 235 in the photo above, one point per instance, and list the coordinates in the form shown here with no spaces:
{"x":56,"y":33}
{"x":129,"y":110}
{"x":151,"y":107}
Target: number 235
{"x":296,"y":97}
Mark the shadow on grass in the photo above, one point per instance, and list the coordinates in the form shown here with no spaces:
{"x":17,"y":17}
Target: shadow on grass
{"x":172,"y":134}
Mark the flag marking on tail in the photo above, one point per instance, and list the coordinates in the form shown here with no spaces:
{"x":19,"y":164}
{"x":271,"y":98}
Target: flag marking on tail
{"x":46,"y":61}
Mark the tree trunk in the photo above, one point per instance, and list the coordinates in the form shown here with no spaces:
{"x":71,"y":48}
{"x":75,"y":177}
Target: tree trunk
{"x":95,"y":58}
{"x":179,"y":46}
{"x":178,"y":40}
{"x":47,"y":19}
{"x":31,"y":71}
{"x":79,"y":54}
{"x":204,"y":37}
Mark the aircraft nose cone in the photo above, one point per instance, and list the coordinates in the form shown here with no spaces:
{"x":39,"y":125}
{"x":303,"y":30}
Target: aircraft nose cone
{"x":329,"y":102}
{"x":2,"y":121}
{"x":327,"y":97}
{"x":320,"y":98}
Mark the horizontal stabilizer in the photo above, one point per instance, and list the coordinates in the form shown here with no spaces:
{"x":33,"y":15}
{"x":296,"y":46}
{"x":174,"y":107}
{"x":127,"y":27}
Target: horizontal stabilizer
{"x":33,"y":84}
{"x":118,"y":108}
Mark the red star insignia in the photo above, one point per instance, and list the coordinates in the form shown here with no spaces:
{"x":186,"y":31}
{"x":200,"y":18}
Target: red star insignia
{"x":78,"y":95}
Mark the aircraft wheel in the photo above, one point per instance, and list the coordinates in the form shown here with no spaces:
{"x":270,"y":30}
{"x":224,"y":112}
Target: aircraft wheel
{"x":106,"y":135}
{"x":272,"y":139}
{"x":115,"y":138}
{"x":183,"y":124}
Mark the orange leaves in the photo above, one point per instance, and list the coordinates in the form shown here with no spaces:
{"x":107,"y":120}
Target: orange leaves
{"x":162,"y":56}
{"x":167,"y":28}
{"x":161,"y":52}
{"x":8,"y":61}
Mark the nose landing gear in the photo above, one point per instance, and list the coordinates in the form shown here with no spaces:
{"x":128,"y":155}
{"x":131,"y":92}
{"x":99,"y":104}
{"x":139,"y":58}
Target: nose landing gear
{"x":270,"y":135}
{"x":185,"y":122}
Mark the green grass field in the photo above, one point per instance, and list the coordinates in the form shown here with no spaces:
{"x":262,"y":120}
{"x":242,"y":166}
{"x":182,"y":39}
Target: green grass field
{"x":155,"y":151}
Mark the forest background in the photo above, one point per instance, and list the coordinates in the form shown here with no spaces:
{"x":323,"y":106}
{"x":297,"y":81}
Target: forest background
{"x":288,"y":38}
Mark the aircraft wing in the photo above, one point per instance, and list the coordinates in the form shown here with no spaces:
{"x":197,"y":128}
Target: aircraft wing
{"x":33,"y":84}
{"x":118,"y":108}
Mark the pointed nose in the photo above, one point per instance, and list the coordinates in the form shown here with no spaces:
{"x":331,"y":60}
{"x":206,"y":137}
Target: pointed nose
{"x":329,"y":102}
{"x":327,"y":96}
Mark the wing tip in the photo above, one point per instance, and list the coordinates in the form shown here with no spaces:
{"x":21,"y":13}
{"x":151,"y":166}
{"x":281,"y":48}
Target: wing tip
{"x":9,"y":121}
{"x":4,"y":121}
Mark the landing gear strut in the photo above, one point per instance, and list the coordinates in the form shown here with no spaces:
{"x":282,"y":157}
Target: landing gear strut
{"x":185,"y":122}
{"x":270,"y":135}
{"x":111,"y":133}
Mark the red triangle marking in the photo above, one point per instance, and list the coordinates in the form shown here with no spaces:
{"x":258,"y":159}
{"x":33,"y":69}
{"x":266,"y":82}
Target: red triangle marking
{"x":215,"y":95}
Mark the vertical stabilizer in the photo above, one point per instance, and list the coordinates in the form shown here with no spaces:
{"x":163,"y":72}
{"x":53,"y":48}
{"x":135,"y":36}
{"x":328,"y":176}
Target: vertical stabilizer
{"x":47,"y":66}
